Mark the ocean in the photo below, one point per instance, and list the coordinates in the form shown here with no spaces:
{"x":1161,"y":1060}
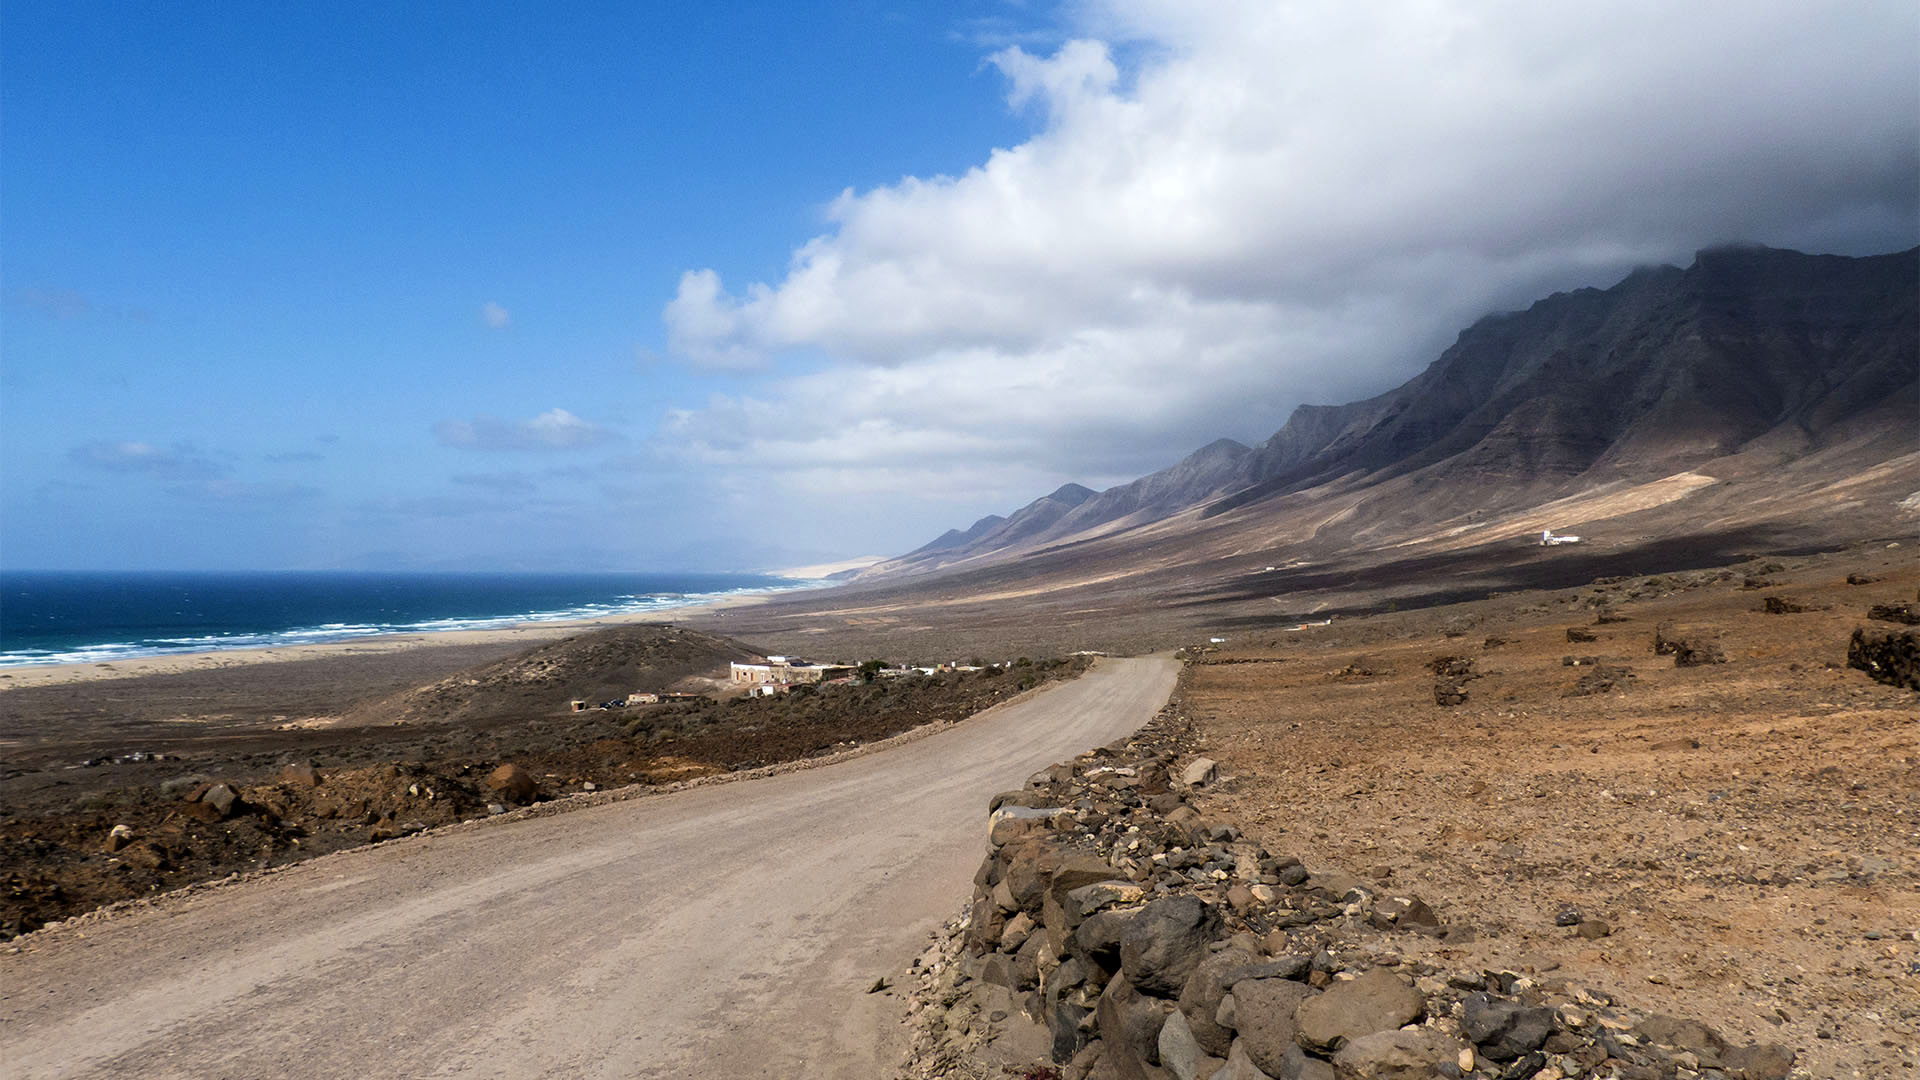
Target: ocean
{"x":69,"y":617}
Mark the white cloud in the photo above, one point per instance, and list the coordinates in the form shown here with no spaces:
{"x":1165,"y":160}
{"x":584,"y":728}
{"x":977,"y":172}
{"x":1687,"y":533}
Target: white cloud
{"x":555,"y":429}
{"x":495,"y":316}
{"x":1266,"y":204}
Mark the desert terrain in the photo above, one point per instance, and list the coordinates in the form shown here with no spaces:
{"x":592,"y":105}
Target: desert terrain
{"x":1746,"y":831}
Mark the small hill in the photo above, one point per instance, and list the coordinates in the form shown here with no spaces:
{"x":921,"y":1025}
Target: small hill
{"x":597,"y":666}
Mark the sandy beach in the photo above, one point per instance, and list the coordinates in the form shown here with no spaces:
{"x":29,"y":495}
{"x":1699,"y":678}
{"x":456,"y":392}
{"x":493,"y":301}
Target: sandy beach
{"x":523,"y":634}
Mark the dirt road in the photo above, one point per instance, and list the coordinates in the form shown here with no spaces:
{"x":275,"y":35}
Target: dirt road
{"x":722,"y":931}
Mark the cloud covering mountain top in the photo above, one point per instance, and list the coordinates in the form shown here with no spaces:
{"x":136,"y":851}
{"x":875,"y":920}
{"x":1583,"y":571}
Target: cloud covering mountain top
{"x":1228,"y":209}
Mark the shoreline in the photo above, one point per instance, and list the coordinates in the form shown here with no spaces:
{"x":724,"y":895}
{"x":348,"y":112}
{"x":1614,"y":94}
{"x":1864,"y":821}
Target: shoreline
{"x":532,"y":633}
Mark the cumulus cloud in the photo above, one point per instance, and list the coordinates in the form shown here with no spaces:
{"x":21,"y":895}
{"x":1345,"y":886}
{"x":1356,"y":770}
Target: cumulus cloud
{"x":495,"y":316}
{"x":1227,"y":209}
{"x":555,"y":429}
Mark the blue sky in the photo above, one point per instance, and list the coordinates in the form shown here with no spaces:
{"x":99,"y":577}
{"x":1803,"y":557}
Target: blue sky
{"x":729,"y":286}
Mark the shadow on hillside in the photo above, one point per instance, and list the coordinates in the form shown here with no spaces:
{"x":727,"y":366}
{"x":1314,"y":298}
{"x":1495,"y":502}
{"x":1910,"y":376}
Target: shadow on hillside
{"x":1508,"y":566}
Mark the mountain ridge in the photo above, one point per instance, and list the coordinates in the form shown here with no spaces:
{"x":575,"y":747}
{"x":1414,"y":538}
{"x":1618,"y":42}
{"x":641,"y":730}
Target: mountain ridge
{"x":1749,"y":350}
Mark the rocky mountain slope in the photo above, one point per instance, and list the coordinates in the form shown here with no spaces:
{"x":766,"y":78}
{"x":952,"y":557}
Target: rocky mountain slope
{"x":1752,"y":363}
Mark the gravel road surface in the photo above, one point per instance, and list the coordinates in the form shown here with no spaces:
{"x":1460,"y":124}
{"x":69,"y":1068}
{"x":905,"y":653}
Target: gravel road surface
{"x":722,"y":931}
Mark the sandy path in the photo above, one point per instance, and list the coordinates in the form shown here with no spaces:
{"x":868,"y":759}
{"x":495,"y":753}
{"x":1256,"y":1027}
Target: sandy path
{"x":722,"y":931}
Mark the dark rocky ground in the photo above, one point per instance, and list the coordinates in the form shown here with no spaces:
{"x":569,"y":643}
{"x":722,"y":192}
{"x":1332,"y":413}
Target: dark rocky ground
{"x":95,"y":810}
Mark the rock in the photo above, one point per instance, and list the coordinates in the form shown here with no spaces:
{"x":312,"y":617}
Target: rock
{"x":1181,"y":1054}
{"x":1026,"y":961}
{"x":1057,"y":910}
{"x":1018,"y":929}
{"x":1889,"y":656}
{"x":1579,"y":636}
{"x":1861,"y":579}
{"x":1698,"y":652}
{"x":1593,"y":929}
{"x":1289,"y":966}
{"x":1567,"y":916}
{"x":1241,"y":1067}
{"x":221,"y":798}
{"x":1263,"y":1014}
{"x":1689,"y":1035}
{"x":1129,"y":1024}
{"x":300,"y":774}
{"x":1780,"y":605}
{"x":1414,"y":1054}
{"x":1239,"y":897}
{"x":512,"y":783}
{"x":1166,"y":803}
{"x":1200,"y":997}
{"x":1087,"y":899}
{"x":1375,"y":1001}
{"x":1906,"y":614}
{"x":1299,"y":1066}
{"x":1165,"y":942}
{"x":1504,"y":1030}
{"x":1063,"y":1024}
{"x":1011,"y":823}
{"x":1407,"y":913}
{"x":1200,"y":772}
{"x":997,"y":970}
{"x":1096,"y":942}
{"x":119,"y":836}
{"x":1761,"y":1061}
{"x":985,"y":923}
{"x":1449,"y":692}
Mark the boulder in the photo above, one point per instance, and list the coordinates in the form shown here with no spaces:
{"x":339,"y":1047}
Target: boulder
{"x":1414,"y":1054}
{"x":1182,"y":1055}
{"x":1165,"y":942}
{"x":1096,"y":942}
{"x":1377,"y":1000}
{"x":512,"y":783}
{"x":1503,"y":1030}
{"x":1889,"y":656}
{"x":1129,"y":1024}
{"x":1263,"y":1013}
{"x":119,"y":836}
{"x":1200,"y":997}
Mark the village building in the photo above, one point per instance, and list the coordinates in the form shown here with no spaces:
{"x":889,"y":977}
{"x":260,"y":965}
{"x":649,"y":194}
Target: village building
{"x":783,"y":671}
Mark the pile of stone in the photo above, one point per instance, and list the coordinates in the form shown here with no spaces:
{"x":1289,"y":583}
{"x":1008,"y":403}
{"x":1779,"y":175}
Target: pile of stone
{"x":1116,"y":933}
